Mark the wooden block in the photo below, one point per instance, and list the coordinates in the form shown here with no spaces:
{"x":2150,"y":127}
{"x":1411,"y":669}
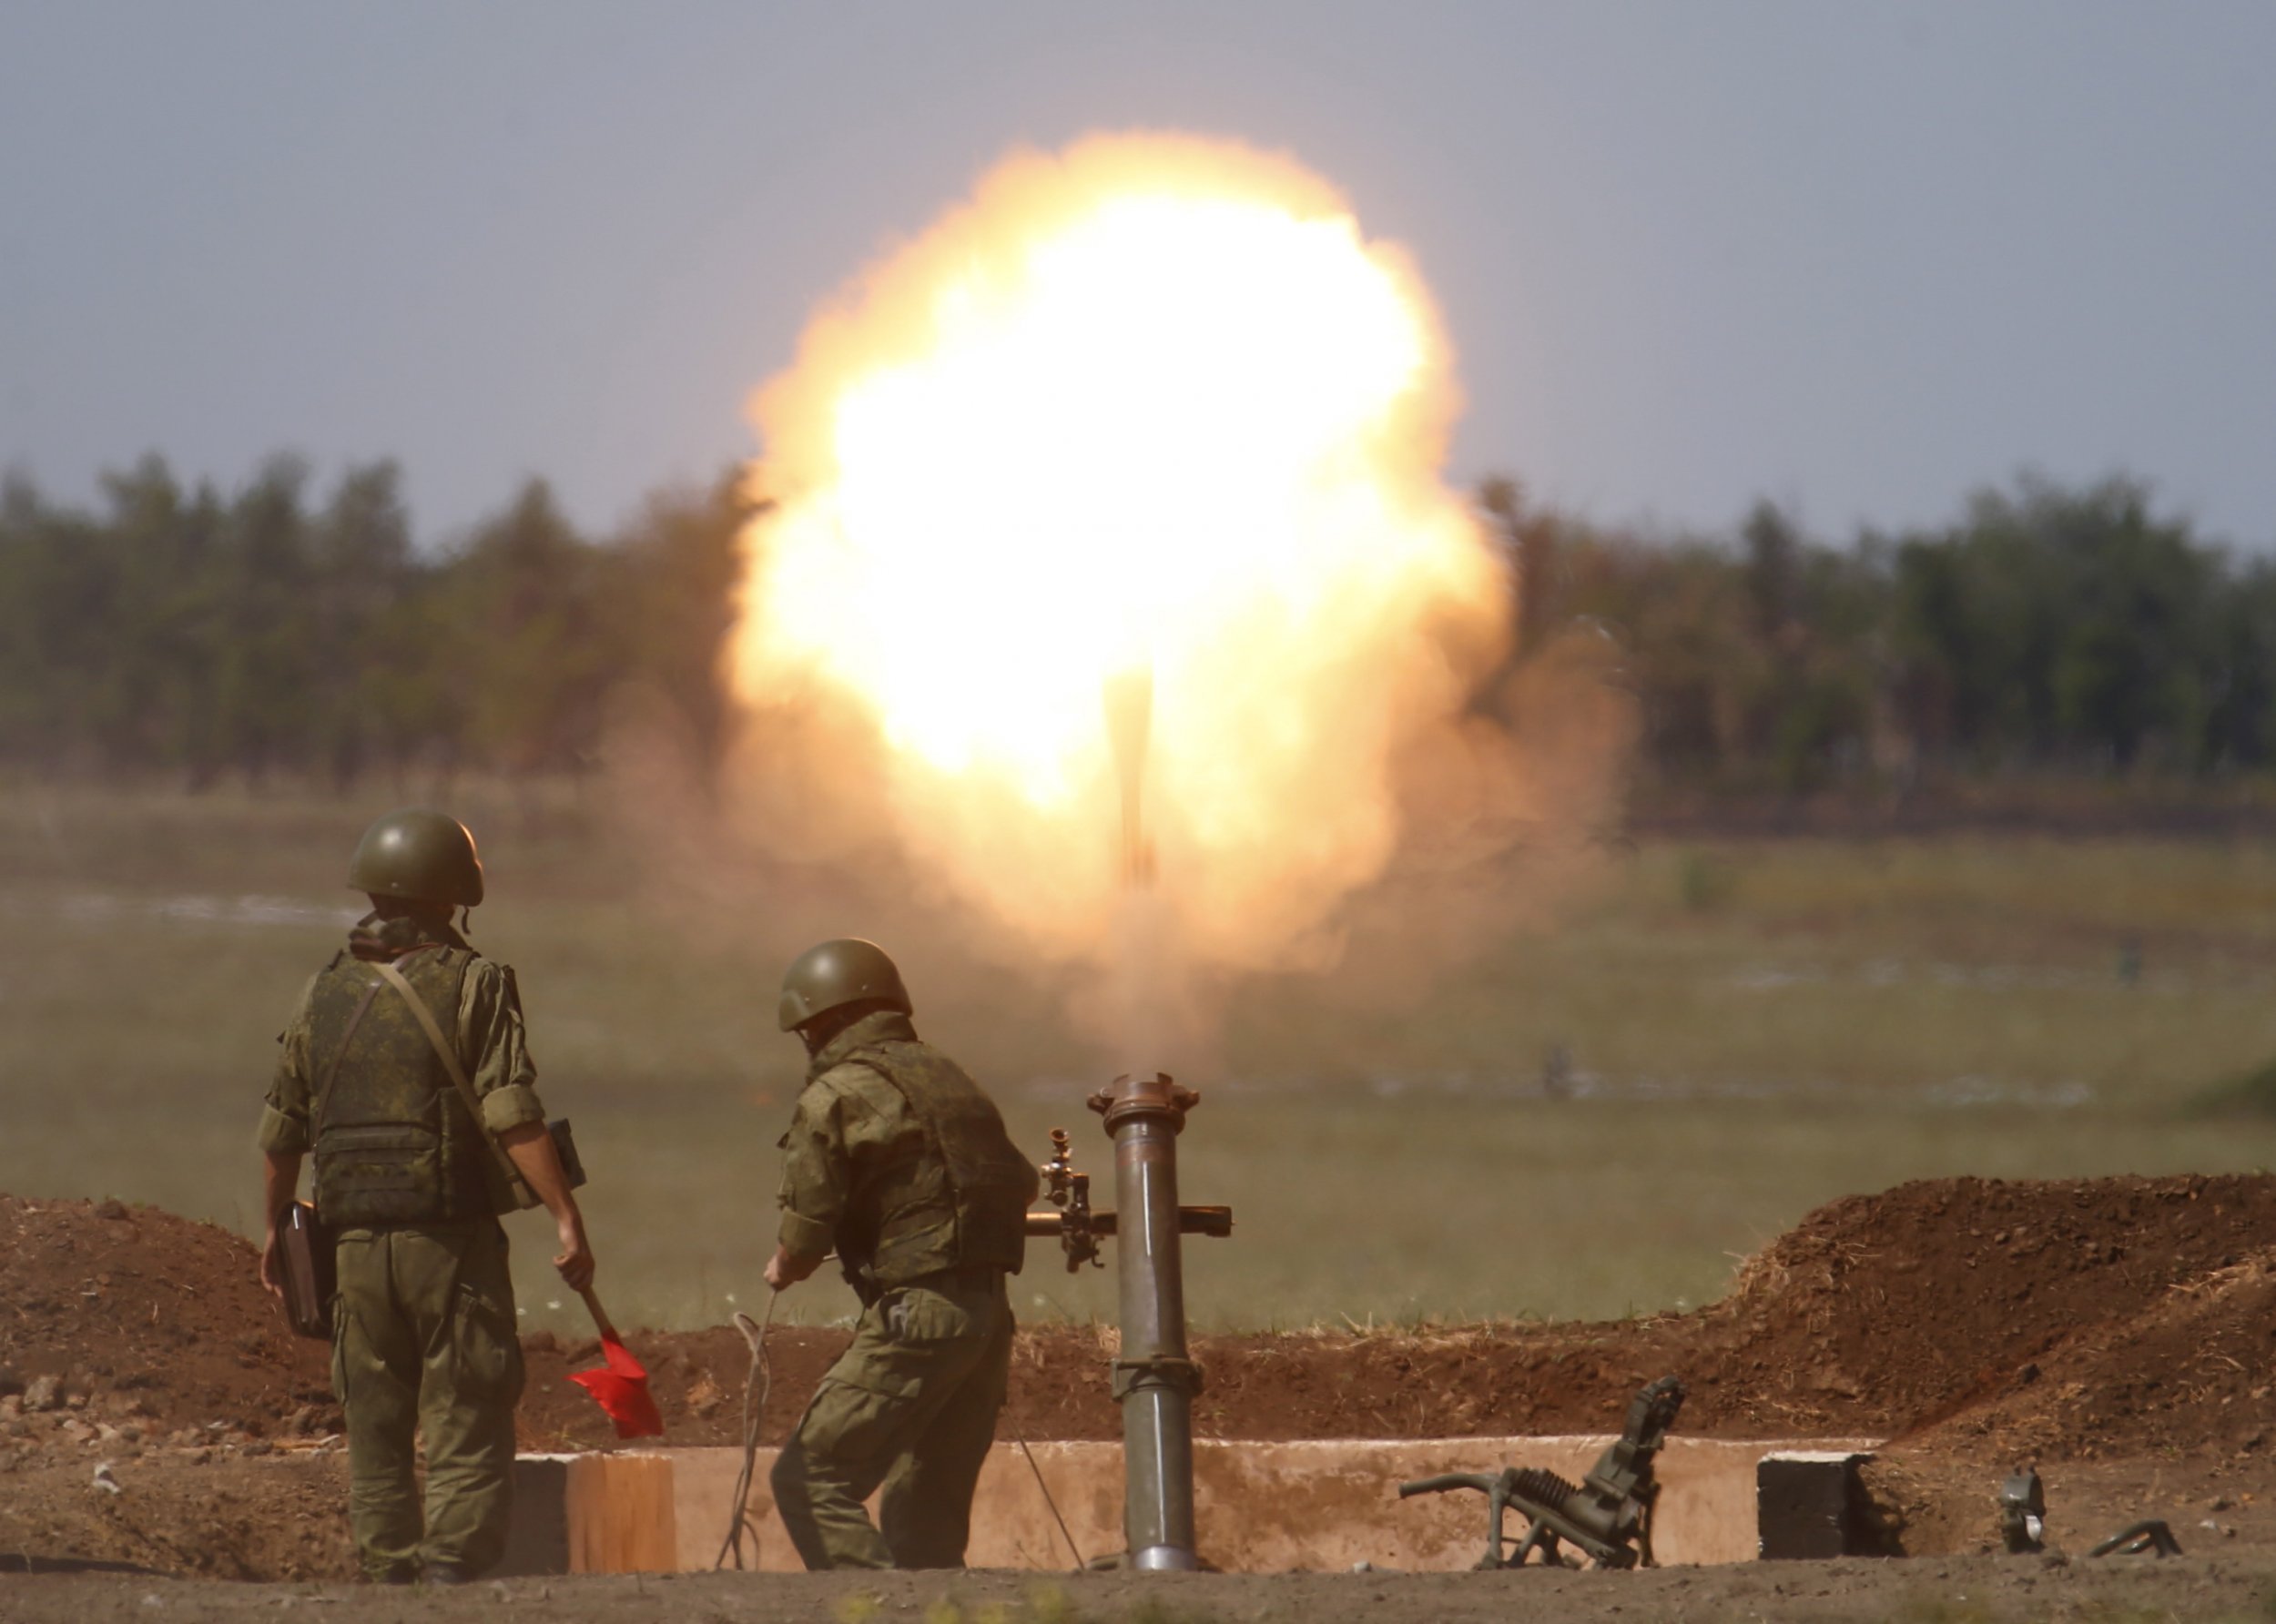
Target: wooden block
{"x":622,"y":1515}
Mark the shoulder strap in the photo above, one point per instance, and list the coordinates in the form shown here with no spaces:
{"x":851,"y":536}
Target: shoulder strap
{"x":449,"y":1057}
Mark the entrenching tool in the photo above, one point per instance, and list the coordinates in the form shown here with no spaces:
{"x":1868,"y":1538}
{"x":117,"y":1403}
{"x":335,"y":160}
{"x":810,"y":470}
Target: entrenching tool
{"x":1607,"y":1515}
{"x":621,"y":1386}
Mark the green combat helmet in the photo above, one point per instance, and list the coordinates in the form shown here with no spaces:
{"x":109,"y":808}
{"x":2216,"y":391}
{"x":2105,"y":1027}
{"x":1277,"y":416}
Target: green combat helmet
{"x":420,"y":857}
{"x":833,"y":974}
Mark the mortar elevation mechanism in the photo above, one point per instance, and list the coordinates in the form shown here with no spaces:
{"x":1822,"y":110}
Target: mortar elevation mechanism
{"x":1080,"y":1228}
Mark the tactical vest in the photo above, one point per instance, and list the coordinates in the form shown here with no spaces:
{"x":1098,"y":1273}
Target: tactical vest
{"x":395,"y":1143}
{"x":969,"y":1208}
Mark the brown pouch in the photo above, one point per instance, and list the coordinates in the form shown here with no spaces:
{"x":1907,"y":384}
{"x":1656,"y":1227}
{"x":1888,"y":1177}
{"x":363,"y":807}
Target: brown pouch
{"x":310,"y":1281}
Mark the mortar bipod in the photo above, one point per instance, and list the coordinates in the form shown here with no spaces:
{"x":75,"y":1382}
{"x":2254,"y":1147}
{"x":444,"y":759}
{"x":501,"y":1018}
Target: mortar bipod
{"x":1545,"y":1499}
{"x":1079,"y":1229}
{"x":1607,"y":1516}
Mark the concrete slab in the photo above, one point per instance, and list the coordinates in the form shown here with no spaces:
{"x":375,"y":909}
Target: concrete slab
{"x":1266,"y":1508}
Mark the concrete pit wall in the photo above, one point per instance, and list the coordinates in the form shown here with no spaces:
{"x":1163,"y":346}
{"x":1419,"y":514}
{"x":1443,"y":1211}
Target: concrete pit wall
{"x":1263,"y":1508}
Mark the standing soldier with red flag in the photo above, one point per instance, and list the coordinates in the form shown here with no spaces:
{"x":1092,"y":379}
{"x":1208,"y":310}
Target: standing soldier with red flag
{"x":405,"y":1073}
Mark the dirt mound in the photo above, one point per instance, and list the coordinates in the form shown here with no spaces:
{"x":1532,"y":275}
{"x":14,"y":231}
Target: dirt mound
{"x":1878,"y":1317}
{"x":2063,"y":1318}
{"x":2194,"y":1374}
{"x":1923,"y":1303}
{"x":129,"y":1319}
{"x":279,"y":1518}
{"x":1900,"y":1311}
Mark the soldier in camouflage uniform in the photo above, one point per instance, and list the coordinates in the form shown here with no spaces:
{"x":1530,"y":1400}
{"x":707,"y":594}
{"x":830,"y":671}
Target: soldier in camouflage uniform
{"x":898,"y":1159}
{"x":410,"y":1184}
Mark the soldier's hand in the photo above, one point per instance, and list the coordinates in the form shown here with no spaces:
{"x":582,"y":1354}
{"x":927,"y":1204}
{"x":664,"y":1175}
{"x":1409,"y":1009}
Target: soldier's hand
{"x":575,"y":1258}
{"x":784,"y":1272}
{"x":272,"y":1265}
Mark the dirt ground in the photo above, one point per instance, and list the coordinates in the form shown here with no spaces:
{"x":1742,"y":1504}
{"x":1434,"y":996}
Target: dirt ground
{"x":2120,"y":1334}
{"x":1958,"y":1591}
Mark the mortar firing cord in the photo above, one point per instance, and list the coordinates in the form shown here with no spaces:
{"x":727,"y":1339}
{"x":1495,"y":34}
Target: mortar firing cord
{"x":1047,"y":1500}
{"x":759,"y":1379}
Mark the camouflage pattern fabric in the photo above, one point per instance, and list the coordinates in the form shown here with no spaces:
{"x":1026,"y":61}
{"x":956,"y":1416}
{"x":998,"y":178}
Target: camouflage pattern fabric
{"x":912,"y":1405}
{"x":423,"y":1341}
{"x":393,"y":1141}
{"x":490,"y":1042}
{"x":899,"y":1159}
{"x":988,"y":1183}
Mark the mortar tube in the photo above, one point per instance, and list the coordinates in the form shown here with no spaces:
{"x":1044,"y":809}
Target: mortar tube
{"x":1155,"y":1379}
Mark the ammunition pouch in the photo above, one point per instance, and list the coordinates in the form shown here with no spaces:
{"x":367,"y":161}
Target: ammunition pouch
{"x":378,"y":1173}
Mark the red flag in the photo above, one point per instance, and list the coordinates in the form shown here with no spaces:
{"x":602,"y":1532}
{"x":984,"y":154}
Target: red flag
{"x":621,"y":1388}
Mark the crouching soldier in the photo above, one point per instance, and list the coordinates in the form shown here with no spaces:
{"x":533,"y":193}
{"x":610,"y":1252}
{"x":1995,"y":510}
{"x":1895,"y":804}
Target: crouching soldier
{"x":404,"y":1071}
{"x":898,"y":1159}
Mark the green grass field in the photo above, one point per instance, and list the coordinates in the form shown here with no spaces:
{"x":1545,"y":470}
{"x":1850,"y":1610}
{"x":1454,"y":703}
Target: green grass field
{"x":1749,"y":1030}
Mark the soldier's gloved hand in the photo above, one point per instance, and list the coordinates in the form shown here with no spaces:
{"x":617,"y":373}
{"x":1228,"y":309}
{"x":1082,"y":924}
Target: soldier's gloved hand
{"x":575,"y":1258}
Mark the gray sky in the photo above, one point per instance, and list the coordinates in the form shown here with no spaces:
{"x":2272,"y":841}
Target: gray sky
{"x":1856,"y":257}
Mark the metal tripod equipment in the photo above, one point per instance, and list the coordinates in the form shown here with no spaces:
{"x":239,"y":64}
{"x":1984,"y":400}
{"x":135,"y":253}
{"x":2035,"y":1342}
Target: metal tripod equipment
{"x":1607,"y":1516}
{"x":1155,"y":1378}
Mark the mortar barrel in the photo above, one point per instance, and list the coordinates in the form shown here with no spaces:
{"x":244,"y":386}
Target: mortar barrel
{"x":1153,"y":1377}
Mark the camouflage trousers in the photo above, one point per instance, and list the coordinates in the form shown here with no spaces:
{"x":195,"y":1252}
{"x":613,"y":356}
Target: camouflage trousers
{"x":910,"y":1405}
{"x":423,"y":1343}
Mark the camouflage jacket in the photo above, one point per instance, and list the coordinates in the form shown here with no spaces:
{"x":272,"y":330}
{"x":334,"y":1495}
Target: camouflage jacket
{"x":865,"y":1170}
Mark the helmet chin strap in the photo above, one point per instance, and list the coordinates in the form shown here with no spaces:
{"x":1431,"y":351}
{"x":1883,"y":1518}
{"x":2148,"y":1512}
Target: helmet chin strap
{"x":466,"y":921}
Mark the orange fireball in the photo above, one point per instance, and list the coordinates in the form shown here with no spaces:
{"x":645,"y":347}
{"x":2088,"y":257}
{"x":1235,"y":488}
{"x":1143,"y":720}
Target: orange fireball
{"x":1151,"y":404}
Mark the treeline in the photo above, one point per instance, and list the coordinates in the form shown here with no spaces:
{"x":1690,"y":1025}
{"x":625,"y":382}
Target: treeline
{"x":2046,"y":630}
{"x":180,"y":632}
{"x":282,"y":631}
